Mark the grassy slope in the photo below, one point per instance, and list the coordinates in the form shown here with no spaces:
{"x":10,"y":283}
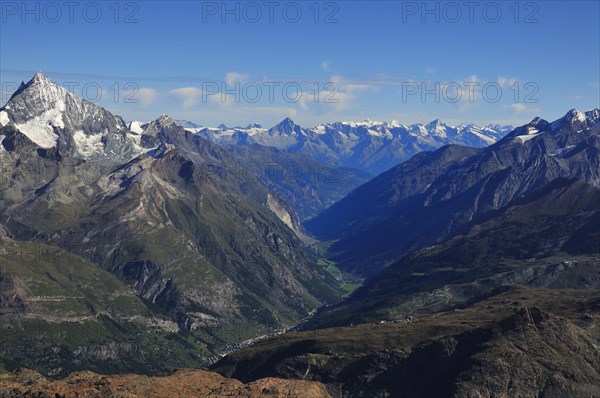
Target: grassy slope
{"x":74,"y":315}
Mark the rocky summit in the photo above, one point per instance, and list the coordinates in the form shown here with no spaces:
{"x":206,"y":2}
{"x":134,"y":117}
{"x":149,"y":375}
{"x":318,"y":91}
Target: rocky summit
{"x":181,"y":384}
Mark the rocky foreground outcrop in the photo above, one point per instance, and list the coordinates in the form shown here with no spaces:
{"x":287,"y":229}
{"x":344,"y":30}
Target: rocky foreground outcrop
{"x":184,"y":383}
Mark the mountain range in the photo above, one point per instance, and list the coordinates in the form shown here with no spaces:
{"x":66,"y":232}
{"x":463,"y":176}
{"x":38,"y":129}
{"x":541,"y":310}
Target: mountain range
{"x":431,"y":197}
{"x":370,"y":146}
{"x":149,"y":247}
{"x":199,"y":246}
{"x":482,"y":272}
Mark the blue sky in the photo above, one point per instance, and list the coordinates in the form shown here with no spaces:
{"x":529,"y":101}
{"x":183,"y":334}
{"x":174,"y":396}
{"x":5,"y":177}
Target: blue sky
{"x":487,"y":62}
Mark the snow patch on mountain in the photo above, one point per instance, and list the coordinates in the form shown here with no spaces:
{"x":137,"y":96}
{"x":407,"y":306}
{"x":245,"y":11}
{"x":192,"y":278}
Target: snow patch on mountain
{"x":320,"y":129}
{"x":88,"y":146}
{"x":580,"y":116}
{"x":136,"y":142}
{"x":136,"y":127}
{"x":193,"y":130}
{"x":559,"y":151}
{"x":40,"y":129}
{"x":479,"y":132}
{"x":531,"y":133}
{"x":374,"y":133}
{"x":4,"y":118}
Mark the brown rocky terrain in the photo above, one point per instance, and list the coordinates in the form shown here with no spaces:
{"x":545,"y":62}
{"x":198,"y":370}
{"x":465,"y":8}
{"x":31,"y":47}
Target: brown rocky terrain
{"x":517,"y":342}
{"x":186,"y":383}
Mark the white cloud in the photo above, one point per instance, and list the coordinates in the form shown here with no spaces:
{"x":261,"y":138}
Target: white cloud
{"x":467,"y":91}
{"x":325,"y":65}
{"x":336,"y":94}
{"x":328,"y":99}
{"x":505,"y":82}
{"x":279,"y":113}
{"x":146,"y":96}
{"x":231,"y":78}
{"x":350,"y":86}
{"x":241,"y":115}
{"x":188,"y":95}
{"x":339,"y":95}
{"x":517,"y":107}
{"x":224,"y":99}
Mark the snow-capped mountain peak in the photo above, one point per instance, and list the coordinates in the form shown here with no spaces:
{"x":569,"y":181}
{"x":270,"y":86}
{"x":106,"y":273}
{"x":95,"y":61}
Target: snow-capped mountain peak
{"x":574,"y":115}
{"x":590,"y":117}
{"x":51,"y":116}
{"x":41,"y":78}
{"x":372,"y":123}
{"x":37,"y":108}
{"x":438,"y":128}
{"x":286,"y":126}
{"x":434,"y":123}
{"x":165,"y":120}
{"x":577,"y":119}
{"x":287,"y":121}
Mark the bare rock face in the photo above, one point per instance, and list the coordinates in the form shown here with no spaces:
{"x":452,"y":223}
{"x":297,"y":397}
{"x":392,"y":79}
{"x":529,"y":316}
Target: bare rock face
{"x":11,"y":296}
{"x":183,"y":383}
